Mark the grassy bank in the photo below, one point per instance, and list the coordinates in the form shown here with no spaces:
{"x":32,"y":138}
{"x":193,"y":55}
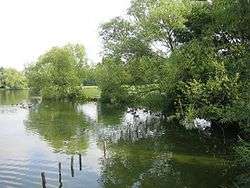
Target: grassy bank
{"x":92,"y":92}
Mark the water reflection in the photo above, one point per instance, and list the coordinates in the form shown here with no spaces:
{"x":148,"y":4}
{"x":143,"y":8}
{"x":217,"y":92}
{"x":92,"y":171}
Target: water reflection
{"x":132,"y":128}
{"x":138,"y":150}
{"x":144,"y":152}
{"x":157,"y":163}
{"x":119,"y":148}
{"x":10,"y":97}
{"x":61,"y":125}
{"x":110,"y":115}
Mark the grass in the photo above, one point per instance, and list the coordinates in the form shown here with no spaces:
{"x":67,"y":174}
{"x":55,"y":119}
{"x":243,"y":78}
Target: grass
{"x":92,"y":92}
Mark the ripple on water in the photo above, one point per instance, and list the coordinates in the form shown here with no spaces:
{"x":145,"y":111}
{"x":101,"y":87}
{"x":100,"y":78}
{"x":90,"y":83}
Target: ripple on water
{"x":24,"y":173}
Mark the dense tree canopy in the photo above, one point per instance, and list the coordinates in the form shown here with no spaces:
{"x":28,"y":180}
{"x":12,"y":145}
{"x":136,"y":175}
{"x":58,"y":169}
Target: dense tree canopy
{"x":195,"y":53}
{"x":57,"y":73}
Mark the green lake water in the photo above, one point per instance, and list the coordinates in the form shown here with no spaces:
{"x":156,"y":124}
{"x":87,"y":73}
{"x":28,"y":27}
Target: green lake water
{"x":117,"y":149}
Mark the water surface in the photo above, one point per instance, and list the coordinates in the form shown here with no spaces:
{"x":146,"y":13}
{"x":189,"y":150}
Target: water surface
{"x":117,"y":149}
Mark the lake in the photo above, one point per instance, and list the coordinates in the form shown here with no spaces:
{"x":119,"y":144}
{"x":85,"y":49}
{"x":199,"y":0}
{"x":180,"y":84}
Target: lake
{"x":102,"y":146}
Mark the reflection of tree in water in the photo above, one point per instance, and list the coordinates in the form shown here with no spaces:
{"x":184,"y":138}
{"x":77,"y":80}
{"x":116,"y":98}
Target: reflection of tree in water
{"x":175,"y":158}
{"x":110,"y":114}
{"x":146,"y":164}
{"x":128,"y":127}
{"x":60,"y":125}
{"x":9,"y":97}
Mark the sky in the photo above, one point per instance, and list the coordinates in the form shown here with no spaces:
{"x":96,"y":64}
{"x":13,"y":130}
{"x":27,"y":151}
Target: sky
{"x":28,"y":28}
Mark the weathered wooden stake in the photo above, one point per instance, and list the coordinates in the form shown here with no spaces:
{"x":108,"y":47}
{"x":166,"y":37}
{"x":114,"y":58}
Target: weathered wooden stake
{"x":72,"y":166}
{"x":104,"y":148}
{"x":121,"y":137}
{"x":60,"y":172}
{"x":137,"y":132}
{"x":129,"y":134}
{"x":43,"y":180}
{"x":80,"y":161}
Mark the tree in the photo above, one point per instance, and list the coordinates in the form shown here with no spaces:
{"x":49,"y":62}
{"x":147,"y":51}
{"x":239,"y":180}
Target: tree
{"x":12,"y":79}
{"x":57,"y":73}
{"x":159,"y":20}
{"x":122,"y":40}
{"x":111,"y":76}
{"x":195,"y":54}
{"x":2,"y":84}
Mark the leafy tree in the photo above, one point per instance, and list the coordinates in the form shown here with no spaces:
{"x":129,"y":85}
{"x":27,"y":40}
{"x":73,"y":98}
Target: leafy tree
{"x":1,"y":77}
{"x":111,"y":76}
{"x":57,"y":73}
{"x":201,"y":60}
{"x":12,"y":79}
{"x":122,"y":40}
{"x":160,"y":22}
{"x":206,"y":84}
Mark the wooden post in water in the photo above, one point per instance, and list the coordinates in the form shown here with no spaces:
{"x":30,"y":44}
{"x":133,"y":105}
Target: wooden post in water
{"x":72,"y":166}
{"x":104,"y":149}
{"x":129,"y":133}
{"x":80,"y":161}
{"x":121,"y":137}
{"x":60,"y":173}
{"x":43,"y":180}
{"x":137,"y":131}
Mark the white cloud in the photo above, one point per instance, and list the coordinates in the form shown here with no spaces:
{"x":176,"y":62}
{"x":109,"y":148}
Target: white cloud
{"x":29,"y":27}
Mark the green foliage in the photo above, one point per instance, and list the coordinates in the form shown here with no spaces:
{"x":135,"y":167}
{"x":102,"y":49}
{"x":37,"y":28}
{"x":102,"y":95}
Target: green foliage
{"x":153,"y":100}
{"x":242,"y":178}
{"x":143,"y":70}
{"x":197,"y":22}
{"x":159,"y":20}
{"x":197,"y":53}
{"x":91,"y":92}
{"x":205,"y":83}
{"x":147,"y":96}
{"x":243,"y":152}
{"x":88,"y":77}
{"x":123,"y":40}
{"x":12,"y":79}
{"x":233,"y":16}
{"x":57,"y":74}
{"x":110,"y":78}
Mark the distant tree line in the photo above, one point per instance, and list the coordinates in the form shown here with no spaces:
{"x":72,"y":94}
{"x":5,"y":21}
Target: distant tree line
{"x":12,"y":79}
